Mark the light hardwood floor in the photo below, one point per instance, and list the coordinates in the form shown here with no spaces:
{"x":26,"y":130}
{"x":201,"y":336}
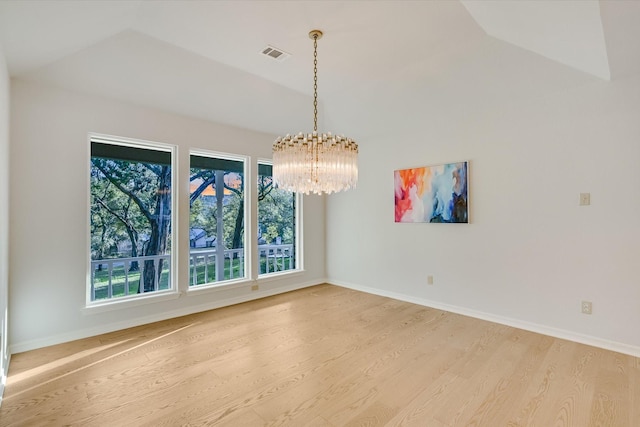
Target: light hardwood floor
{"x":323,"y":356}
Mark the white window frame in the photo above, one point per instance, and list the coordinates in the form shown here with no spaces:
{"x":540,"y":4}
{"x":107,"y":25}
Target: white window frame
{"x":145,"y":298}
{"x":299,"y":238}
{"x":248,"y":218}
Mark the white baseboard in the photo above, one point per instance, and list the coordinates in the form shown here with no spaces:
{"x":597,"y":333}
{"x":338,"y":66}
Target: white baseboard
{"x":516,"y":323}
{"x":111,"y":327}
{"x":528,"y":326}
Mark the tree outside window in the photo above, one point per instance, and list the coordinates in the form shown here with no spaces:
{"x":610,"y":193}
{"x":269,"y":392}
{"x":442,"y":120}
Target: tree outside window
{"x":130,"y":219}
{"x":216,"y":223}
{"x":276,"y":224}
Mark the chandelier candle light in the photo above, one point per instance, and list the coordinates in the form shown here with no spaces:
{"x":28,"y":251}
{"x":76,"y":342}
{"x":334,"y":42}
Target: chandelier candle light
{"x":315,"y":162}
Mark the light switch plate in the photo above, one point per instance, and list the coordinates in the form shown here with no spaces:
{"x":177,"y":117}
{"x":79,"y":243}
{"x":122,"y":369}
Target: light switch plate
{"x":585,"y":199}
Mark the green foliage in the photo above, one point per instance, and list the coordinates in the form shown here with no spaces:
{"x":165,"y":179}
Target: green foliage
{"x":271,"y":233}
{"x":115,"y":217}
{"x":138,"y":197}
{"x":204,"y":211}
{"x":196,"y":215}
{"x":276,"y":212}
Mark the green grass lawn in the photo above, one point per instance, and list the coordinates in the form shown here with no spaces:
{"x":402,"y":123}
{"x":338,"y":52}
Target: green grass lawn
{"x":118,"y":280}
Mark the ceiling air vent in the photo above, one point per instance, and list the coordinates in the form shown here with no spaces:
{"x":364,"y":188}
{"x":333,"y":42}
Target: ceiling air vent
{"x":275,"y":53}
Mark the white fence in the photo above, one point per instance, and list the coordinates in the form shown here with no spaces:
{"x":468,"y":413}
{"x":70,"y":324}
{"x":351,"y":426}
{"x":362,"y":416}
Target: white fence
{"x":111,"y":277}
{"x":120,"y":274}
{"x":204,"y":268}
{"x":210,"y":270}
{"x":278,"y":257}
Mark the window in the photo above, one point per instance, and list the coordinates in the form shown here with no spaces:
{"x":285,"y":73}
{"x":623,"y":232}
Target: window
{"x":276,"y":224}
{"x":132,"y":206}
{"x":131,"y":218}
{"x":216,"y":221}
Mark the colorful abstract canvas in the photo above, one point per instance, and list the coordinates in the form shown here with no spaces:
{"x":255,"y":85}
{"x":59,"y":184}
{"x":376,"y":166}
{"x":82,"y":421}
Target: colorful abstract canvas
{"x":432,"y":194}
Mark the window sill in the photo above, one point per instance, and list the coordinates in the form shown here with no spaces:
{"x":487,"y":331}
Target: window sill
{"x":270,"y":277}
{"x":120,"y":304}
{"x":217,"y":287}
{"x":241,"y":283}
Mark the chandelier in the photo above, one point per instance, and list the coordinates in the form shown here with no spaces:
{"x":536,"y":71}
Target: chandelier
{"x":315,"y":162}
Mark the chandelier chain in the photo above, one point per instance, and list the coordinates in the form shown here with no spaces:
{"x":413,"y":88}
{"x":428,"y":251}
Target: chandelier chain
{"x":315,"y":83}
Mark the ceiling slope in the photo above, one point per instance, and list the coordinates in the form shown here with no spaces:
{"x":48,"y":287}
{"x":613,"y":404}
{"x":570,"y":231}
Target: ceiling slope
{"x":569,"y":32}
{"x":621,"y":23}
{"x":139,"y":69}
{"x":378,"y":60}
{"x":36,"y":33}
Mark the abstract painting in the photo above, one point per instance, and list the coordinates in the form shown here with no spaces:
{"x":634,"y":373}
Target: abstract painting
{"x":432,"y":194}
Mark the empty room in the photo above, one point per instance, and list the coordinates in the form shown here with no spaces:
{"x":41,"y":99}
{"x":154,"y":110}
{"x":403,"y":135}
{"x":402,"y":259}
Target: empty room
{"x":320,"y":213}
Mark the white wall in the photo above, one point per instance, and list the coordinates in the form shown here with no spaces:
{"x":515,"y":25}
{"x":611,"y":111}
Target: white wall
{"x":49,"y":228}
{"x":531,"y":254}
{"x":4,"y":211}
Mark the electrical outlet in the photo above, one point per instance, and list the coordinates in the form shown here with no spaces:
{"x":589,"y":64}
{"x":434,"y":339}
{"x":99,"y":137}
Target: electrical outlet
{"x":585,"y":199}
{"x":429,"y":280}
{"x":255,"y":287}
{"x":586,"y":307}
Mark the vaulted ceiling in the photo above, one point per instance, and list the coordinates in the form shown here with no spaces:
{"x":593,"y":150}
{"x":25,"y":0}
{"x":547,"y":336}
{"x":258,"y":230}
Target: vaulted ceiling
{"x":378,"y":59}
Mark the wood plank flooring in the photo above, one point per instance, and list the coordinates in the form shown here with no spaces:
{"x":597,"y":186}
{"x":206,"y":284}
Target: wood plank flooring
{"x":322,"y":356}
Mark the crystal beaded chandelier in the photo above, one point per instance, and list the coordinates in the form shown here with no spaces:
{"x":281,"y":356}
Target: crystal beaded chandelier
{"x":315,"y":162}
